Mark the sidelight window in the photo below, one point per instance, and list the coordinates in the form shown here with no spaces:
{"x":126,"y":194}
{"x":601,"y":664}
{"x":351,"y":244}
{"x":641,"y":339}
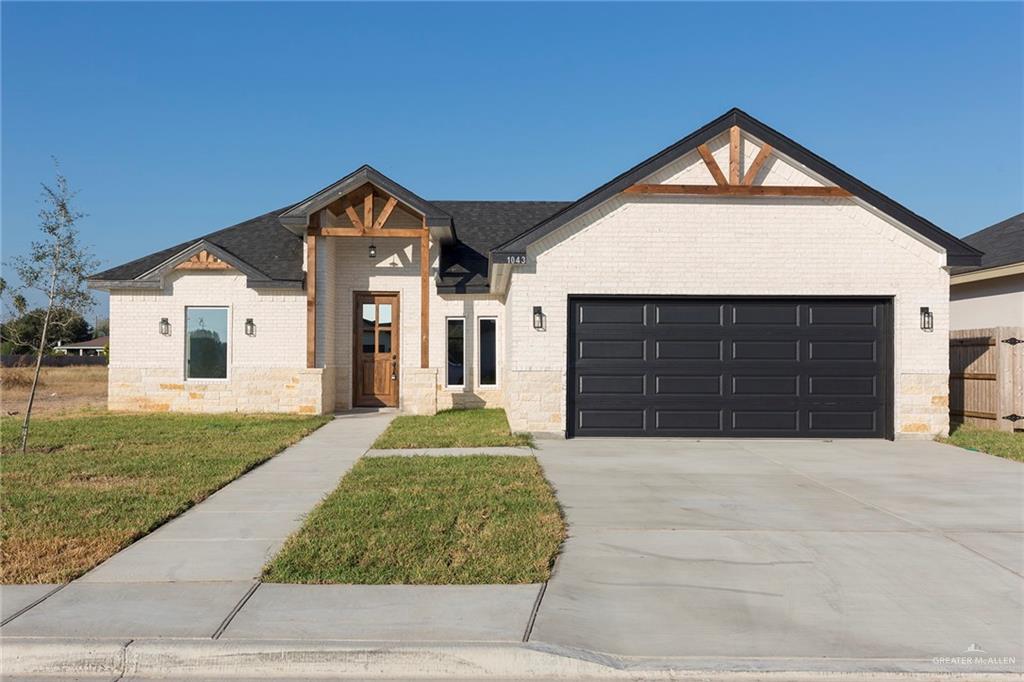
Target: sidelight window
{"x":487,"y":344}
{"x":456,"y":336}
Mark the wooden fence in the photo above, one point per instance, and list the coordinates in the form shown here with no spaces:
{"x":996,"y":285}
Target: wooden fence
{"x":986,"y":377}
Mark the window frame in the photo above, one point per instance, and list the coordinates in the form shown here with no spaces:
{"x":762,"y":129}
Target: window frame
{"x":185,"y":348}
{"x":448,"y":320}
{"x":479,"y":353}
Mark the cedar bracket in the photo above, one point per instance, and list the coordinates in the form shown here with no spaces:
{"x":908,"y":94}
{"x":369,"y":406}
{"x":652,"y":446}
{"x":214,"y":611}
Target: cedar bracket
{"x":738,"y":184}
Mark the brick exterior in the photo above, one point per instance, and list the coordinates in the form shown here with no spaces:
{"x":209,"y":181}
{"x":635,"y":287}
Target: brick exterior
{"x":718,"y":246}
{"x":629,"y":245}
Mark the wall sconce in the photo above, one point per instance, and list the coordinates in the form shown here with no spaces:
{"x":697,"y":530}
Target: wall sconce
{"x":165,"y":327}
{"x":927,"y":319}
{"x":373,"y":251}
{"x":250,"y":327}
{"x":538,"y":318}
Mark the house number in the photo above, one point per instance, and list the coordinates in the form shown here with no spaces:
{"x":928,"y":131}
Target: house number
{"x":515,"y":260}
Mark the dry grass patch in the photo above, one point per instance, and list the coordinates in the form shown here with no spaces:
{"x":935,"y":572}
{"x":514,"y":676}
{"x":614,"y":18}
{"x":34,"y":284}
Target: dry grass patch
{"x":91,"y":485}
{"x":61,"y":390}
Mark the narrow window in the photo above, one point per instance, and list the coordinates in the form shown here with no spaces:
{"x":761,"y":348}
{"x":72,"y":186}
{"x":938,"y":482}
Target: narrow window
{"x":206,"y":343}
{"x":456,"y":351}
{"x":487,"y":343}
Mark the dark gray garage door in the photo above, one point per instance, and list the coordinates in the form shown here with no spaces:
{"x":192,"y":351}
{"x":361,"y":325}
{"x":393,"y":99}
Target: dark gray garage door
{"x":729,"y":367}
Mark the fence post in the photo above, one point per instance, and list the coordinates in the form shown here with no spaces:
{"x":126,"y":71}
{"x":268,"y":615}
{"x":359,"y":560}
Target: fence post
{"x":1009,"y":370}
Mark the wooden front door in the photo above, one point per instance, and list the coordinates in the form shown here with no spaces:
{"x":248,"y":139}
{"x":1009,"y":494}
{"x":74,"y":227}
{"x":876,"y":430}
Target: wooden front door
{"x":375,"y":345}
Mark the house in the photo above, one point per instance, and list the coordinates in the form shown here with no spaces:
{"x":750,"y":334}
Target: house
{"x":991,"y":293}
{"x":91,"y":347}
{"x":733,"y":284}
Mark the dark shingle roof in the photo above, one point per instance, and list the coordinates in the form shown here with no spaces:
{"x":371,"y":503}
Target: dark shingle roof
{"x":262,"y":242}
{"x":1002,"y":243}
{"x":265,"y":244}
{"x":479,"y":227}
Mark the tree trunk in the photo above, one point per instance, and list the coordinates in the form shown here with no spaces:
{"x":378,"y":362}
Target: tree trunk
{"x":39,"y":353}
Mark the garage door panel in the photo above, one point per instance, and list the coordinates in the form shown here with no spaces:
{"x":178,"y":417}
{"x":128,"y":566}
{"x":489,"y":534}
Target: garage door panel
{"x":758,"y":314}
{"x":687,"y":384}
{"x":771,"y":421}
{"x":688,"y":421}
{"x":688,"y":350}
{"x":611,"y":312}
{"x":765,"y":350}
{"x":612,"y":384}
{"x":689,"y":314}
{"x":766,"y":385}
{"x":612,"y":349}
{"x":866,"y":386}
{"x":720,"y":367}
{"x":843,"y":314}
{"x":842,"y":350}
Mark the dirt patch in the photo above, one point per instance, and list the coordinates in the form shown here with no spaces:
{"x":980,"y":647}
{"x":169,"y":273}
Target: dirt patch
{"x":62,"y":391}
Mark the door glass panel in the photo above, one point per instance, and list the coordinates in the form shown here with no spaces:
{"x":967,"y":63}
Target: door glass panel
{"x":383,"y":341}
{"x":385,"y":313}
{"x":368,"y":341}
{"x":368,"y":314}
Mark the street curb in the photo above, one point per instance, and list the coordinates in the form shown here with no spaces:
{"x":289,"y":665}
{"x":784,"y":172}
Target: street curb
{"x":213,"y":659}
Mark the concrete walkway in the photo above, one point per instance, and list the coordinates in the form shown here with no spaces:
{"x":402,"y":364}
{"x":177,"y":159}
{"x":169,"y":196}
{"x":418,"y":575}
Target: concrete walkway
{"x":231,"y":535}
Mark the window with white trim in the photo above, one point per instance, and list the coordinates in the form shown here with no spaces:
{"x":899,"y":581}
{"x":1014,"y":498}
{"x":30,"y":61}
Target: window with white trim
{"x":206,"y":343}
{"x":456,"y":344}
{"x":487,"y":350}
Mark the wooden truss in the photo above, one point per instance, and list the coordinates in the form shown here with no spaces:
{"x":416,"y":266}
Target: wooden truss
{"x":364,"y":224}
{"x":204,"y":260}
{"x":734,"y":185}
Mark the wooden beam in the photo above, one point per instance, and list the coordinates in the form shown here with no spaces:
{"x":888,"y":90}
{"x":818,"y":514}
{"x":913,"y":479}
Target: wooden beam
{"x":734,"y":155}
{"x":385,"y":213}
{"x":311,"y":240}
{"x":755,"y":167}
{"x":712,"y":165}
{"x":357,"y":222}
{"x":408,"y":233}
{"x":204,"y":260}
{"x":368,"y":210}
{"x":738,"y":190}
{"x":425,"y":296}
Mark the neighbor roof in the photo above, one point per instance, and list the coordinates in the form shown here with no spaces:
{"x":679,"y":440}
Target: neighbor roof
{"x":1003,"y":243}
{"x":958,"y":253}
{"x":98,"y":342}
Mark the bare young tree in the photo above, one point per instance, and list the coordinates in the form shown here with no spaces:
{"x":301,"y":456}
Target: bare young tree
{"x":56,"y":267}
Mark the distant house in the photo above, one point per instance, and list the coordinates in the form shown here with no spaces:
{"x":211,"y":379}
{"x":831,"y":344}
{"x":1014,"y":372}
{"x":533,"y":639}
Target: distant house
{"x":991,"y":294}
{"x":90,"y":347}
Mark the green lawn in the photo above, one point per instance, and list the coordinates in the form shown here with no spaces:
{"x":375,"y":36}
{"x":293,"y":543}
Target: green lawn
{"x":998,"y":443}
{"x":476,"y":428}
{"x":429,"y":520}
{"x":91,"y":485}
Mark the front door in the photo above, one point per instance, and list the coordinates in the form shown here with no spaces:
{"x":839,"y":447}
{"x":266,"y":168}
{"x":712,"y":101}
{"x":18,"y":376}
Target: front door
{"x":375,"y":341}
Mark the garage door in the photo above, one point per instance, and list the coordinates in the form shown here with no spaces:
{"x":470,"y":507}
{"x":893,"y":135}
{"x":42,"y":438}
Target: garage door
{"x":752,"y":367}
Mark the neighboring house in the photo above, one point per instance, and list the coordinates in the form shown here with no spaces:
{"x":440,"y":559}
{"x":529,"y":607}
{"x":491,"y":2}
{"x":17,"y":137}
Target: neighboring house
{"x":90,"y":347}
{"x":991,"y":294}
{"x":733,"y":284}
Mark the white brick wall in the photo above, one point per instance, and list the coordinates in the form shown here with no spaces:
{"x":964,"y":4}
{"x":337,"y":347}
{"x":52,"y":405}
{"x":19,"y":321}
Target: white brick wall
{"x":396,"y":269}
{"x":148,"y":369}
{"x":718,"y":246}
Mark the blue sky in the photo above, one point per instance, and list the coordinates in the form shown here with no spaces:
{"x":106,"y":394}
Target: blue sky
{"x":175,"y":119}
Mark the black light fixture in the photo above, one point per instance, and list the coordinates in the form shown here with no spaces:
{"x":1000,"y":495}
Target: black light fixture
{"x":927,"y":319}
{"x":373,"y":251}
{"x":538,"y":318}
{"x":165,"y":327}
{"x":250,"y":327}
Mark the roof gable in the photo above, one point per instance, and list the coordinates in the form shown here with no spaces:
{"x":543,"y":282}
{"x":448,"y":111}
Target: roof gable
{"x":958,"y":253}
{"x":1003,"y":243}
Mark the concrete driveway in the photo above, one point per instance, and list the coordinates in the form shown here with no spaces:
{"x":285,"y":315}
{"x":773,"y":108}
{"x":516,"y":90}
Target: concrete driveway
{"x":856,"y":554}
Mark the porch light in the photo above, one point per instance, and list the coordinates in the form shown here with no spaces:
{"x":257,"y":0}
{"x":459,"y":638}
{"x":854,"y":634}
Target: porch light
{"x":538,"y":318}
{"x":373,"y":251}
{"x":250,"y":327}
{"x":165,"y":327}
{"x":927,"y":319}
